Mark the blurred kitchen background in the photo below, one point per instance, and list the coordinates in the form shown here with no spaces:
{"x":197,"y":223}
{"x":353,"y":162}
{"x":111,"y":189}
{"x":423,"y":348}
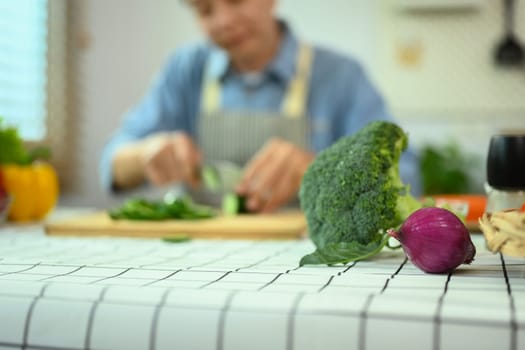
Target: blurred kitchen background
{"x":433,"y":60}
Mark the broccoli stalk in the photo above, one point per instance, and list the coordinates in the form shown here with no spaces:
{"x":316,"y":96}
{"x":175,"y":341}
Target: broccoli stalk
{"x":406,"y":204}
{"x":352,"y":193}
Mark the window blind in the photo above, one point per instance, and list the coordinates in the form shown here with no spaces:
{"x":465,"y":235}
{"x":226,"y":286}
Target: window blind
{"x":23,"y":61}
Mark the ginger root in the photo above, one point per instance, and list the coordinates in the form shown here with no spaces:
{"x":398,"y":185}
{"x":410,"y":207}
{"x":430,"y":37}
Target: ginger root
{"x":504,"y":232}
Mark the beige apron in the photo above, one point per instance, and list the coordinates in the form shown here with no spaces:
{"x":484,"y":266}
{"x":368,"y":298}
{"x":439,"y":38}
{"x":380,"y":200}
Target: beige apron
{"x":236,"y":136}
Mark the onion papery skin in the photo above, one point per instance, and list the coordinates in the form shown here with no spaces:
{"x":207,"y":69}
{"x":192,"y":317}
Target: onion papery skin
{"x":435,"y":240}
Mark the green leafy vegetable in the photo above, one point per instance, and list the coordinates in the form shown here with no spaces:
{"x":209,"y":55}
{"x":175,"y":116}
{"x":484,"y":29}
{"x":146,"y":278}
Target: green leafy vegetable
{"x":343,"y":252}
{"x":180,"y":208}
{"x":13,"y":150}
{"x":447,"y":169}
{"x":352,"y":193}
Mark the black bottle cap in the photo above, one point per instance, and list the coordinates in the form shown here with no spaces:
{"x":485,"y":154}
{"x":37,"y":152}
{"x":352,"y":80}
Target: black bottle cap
{"x":506,"y":162}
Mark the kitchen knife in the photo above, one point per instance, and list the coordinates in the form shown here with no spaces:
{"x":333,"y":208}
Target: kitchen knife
{"x":218,"y":178}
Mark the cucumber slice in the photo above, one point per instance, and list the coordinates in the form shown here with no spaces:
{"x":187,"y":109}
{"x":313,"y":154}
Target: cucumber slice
{"x":210,"y":178}
{"x":233,"y":204}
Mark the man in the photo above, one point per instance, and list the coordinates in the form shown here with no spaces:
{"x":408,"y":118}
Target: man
{"x":254,"y":95}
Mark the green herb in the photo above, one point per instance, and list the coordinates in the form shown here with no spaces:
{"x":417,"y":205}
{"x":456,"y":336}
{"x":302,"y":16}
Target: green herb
{"x":445,"y":169}
{"x":13,"y":150}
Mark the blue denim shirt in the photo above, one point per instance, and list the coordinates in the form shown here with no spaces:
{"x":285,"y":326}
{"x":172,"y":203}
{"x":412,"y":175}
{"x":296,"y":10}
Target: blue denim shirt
{"x":341,"y":99}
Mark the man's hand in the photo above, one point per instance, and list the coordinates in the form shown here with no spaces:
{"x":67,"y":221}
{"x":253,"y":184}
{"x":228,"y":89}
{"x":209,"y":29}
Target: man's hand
{"x":161,"y":158}
{"x":171,"y":157}
{"x":274,"y":175}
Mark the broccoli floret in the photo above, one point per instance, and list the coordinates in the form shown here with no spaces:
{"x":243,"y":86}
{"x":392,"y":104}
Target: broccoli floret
{"x":352,"y":193}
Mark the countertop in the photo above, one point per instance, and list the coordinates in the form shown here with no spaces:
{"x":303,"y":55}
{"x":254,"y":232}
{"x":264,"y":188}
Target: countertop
{"x":123,"y":293}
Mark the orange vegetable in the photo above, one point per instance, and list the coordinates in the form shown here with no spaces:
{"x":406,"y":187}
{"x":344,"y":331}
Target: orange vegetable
{"x":34,"y":190}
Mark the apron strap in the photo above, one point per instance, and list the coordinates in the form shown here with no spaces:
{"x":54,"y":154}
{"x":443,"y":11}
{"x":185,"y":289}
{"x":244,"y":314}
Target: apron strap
{"x":211,"y":93}
{"x":294,"y":103}
{"x":295,"y":98}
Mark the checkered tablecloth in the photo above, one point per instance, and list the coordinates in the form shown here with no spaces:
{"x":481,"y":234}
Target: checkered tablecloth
{"x":113,"y":293}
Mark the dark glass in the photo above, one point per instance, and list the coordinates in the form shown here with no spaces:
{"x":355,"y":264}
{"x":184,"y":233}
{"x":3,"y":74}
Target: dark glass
{"x":506,"y":162}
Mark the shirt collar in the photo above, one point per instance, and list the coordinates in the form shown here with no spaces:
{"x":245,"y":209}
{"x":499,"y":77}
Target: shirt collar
{"x":282,"y":66}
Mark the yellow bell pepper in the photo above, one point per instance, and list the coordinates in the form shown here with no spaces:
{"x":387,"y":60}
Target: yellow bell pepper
{"x":34,"y":190}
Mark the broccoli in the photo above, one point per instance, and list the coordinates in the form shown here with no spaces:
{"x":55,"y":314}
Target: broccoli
{"x":352,"y":193}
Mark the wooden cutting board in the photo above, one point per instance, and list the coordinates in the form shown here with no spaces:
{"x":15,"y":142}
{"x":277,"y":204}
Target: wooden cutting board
{"x":282,"y":225}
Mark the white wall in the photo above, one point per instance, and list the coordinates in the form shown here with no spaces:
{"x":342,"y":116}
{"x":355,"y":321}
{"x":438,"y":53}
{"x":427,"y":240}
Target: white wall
{"x":127,"y":42}
{"x":349,"y":26}
{"x":453,"y":78}
{"x":456,"y":69}
{"x":453,"y":90}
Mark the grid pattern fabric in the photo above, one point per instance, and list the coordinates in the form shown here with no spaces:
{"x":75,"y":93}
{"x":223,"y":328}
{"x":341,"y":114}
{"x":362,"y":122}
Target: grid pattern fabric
{"x":114,"y":293}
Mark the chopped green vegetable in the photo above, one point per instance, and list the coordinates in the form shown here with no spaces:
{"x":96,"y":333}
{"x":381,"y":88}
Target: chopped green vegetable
{"x":233,"y":204}
{"x":210,"y":178}
{"x":180,"y":208}
{"x":177,"y":238}
{"x":352,"y":193}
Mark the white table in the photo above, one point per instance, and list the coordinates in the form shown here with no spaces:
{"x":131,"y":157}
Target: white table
{"x":110,"y":293}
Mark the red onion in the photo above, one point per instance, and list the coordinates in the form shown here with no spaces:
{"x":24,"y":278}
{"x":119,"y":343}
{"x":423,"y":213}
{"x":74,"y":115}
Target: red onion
{"x":435,"y":240}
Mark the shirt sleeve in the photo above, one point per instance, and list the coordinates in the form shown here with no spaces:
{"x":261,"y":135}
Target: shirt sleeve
{"x":169,"y":105}
{"x":365,"y":104}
